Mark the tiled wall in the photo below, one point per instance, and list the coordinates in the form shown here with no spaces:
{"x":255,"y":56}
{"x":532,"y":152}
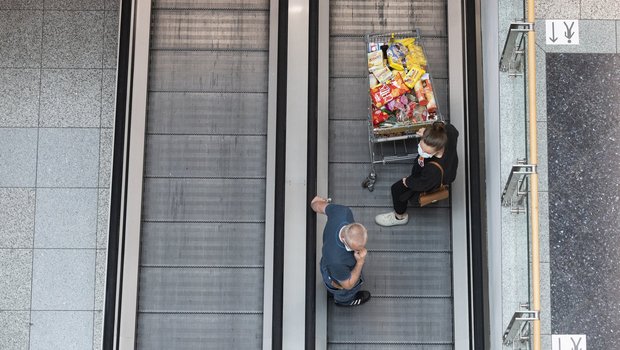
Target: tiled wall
{"x":57,"y":77}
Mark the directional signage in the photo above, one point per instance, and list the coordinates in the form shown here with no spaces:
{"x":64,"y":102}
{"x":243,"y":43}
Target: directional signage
{"x":568,"y":342}
{"x":562,"y":32}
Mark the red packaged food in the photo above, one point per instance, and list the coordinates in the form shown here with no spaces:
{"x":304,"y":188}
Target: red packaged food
{"x":380,"y":95}
{"x":378,"y":116}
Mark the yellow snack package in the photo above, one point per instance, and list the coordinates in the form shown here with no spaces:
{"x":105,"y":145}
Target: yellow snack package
{"x":415,"y":56}
{"x":407,"y":42}
{"x":414,"y":74}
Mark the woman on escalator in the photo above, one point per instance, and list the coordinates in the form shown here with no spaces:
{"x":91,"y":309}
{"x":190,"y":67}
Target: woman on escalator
{"x":437,"y":145}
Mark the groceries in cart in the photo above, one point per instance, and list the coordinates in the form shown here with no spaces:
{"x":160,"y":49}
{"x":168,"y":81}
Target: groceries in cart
{"x":401,"y":92}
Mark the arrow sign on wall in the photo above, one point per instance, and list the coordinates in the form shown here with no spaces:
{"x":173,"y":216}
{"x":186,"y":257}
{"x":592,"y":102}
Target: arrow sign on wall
{"x":562,"y":32}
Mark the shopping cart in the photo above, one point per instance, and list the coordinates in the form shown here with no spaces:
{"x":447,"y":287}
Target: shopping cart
{"x":394,"y":139}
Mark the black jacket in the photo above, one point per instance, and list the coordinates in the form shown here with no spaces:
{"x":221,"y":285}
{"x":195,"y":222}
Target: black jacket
{"x":425,"y":176}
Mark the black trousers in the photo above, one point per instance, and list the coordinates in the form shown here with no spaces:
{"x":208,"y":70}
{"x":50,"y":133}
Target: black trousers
{"x":401,"y":196}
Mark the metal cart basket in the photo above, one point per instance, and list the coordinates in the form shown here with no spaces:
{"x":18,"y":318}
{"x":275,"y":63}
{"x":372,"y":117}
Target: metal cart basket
{"x":394,"y":139}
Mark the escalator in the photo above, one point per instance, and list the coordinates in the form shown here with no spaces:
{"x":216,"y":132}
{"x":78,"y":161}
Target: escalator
{"x":409,"y":268}
{"x":202,"y":245}
{"x":202,"y":241}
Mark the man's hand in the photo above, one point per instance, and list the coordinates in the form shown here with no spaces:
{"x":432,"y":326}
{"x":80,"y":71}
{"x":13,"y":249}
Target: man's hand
{"x":360,"y":255}
{"x":420,"y":132}
{"x":318,"y":204}
{"x":405,"y":182}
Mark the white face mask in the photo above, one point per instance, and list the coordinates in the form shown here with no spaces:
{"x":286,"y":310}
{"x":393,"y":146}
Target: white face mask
{"x":347,"y":247}
{"x":345,"y":244}
{"x":423,"y":154}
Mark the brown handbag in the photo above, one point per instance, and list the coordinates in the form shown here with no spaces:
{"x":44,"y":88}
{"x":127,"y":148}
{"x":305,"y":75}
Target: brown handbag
{"x":436,"y":195}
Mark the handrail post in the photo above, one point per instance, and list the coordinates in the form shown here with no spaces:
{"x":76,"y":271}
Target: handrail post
{"x":531,"y":77}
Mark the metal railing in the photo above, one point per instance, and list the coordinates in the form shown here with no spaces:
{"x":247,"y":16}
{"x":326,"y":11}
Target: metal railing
{"x":518,"y":332}
{"x":516,"y":187}
{"x":514,"y":48}
{"x":511,"y":62}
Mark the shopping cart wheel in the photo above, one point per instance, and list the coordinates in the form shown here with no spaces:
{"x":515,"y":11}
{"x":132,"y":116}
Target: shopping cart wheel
{"x":369,"y":181}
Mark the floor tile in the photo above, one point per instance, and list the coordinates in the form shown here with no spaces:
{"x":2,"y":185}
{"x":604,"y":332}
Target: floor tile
{"x":63,"y":279}
{"x":108,"y":100}
{"x":68,"y":157}
{"x":66,"y":218}
{"x":100,"y":278}
{"x":600,"y":9}
{"x":19,"y":105}
{"x":74,"y":5}
{"x":103,"y":218}
{"x":113,"y":5}
{"x":15,"y":327}
{"x":21,"y":4}
{"x":98,"y":331}
{"x":18,"y":156}
{"x":73,"y":39}
{"x":554,"y":9}
{"x":110,"y":41}
{"x":71,"y":98}
{"x":20,"y":43}
{"x":17,"y":208}
{"x":66,"y":330}
{"x":16,"y":276}
{"x":105,"y":158}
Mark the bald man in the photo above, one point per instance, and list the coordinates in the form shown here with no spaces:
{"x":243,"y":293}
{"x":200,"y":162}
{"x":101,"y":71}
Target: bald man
{"x":344,"y":253}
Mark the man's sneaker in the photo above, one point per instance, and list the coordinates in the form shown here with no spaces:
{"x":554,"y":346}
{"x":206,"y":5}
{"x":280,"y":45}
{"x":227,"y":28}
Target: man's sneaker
{"x":389,"y":219}
{"x":360,"y":298}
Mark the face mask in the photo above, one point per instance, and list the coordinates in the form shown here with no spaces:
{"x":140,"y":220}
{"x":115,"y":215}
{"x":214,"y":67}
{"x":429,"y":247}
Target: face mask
{"x":423,"y":154}
{"x":347,"y":247}
{"x":345,"y":244}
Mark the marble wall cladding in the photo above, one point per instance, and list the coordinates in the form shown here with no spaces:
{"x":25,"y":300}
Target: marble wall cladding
{"x":57,"y":93}
{"x":584,"y":196}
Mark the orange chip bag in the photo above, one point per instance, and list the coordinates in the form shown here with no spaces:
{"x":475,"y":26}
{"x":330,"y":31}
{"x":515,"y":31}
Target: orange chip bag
{"x":380,"y":95}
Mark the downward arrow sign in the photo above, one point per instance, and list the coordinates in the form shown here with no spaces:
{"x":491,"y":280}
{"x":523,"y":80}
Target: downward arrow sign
{"x":569,"y":31}
{"x":553,"y":38}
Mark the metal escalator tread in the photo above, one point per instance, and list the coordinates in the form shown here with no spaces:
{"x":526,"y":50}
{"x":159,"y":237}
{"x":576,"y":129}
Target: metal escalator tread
{"x":392,"y":320}
{"x":409,"y":268}
{"x":209,"y":331}
{"x":202,"y":235}
{"x":207,"y":113}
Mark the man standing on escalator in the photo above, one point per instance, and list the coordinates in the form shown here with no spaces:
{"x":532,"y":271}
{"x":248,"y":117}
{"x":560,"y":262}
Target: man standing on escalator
{"x":344,"y":253}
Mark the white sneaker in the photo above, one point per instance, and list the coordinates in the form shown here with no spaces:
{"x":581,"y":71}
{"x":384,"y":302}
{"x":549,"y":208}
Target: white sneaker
{"x":389,"y":219}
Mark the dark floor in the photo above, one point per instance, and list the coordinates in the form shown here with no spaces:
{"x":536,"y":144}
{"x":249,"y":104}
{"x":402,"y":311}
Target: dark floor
{"x":584,"y":195}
